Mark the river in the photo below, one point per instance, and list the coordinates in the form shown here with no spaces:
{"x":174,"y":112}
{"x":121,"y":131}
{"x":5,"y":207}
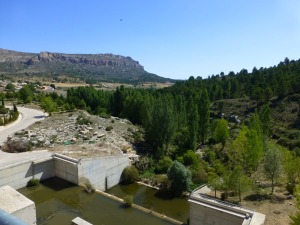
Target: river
{"x":58,"y":202}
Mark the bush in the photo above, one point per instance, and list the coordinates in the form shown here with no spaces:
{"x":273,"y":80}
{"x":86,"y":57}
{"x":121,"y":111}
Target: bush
{"x":33,"y":182}
{"x":190,"y":158}
{"x":83,"y":120}
{"x":105,"y":115}
{"x":163,"y":165}
{"x":137,"y":136}
{"x":89,"y":188}
{"x":162,"y":181}
{"x":180,"y":178}
{"x":128,"y":200}
{"x":109,"y":128}
{"x":15,"y":146}
{"x":129,"y":175}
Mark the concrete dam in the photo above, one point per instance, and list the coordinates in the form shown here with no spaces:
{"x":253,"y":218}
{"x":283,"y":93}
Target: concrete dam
{"x":17,"y":169}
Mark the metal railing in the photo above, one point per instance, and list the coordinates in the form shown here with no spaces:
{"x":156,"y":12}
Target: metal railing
{"x":8,"y":219}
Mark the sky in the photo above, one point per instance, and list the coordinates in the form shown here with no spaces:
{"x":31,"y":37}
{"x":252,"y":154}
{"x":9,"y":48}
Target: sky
{"x":171,"y":38}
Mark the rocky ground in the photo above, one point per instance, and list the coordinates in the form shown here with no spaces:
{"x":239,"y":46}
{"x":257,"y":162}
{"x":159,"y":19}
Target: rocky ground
{"x":79,"y":134}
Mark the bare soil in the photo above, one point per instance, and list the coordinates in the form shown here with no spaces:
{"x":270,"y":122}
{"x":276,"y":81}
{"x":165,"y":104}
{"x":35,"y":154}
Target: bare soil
{"x":277,"y":208}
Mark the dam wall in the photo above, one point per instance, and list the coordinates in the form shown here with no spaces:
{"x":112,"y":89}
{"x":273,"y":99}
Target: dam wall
{"x":101,"y":172}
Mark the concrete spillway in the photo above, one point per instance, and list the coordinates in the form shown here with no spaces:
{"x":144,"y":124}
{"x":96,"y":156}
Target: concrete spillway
{"x":17,"y":169}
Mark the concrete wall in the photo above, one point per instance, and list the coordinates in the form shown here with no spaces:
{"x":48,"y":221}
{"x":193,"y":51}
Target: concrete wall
{"x":103,"y":172}
{"x":17,"y":205}
{"x":18,"y":174}
{"x":27,"y":214}
{"x":206,"y":216}
{"x":66,"y":170}
{"x":44,"y":169}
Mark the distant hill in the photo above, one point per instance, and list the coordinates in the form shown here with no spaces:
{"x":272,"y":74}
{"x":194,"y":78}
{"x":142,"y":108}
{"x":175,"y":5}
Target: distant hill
{"x":88,"y":67}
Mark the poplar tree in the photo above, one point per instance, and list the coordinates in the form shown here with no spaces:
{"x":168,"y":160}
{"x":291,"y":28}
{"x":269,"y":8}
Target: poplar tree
{"x":221,"y":132}
{"x":272,"y":165}
{"x":204,"y":113}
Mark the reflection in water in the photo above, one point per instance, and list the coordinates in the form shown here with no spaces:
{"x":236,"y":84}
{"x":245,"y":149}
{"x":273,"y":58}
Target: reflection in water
{"x":176,"y":208}
{"x":59,"y":202}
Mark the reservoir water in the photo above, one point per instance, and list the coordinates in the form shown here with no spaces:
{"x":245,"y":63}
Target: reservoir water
{"x":58,"y":202}
{"x":150,"y":198}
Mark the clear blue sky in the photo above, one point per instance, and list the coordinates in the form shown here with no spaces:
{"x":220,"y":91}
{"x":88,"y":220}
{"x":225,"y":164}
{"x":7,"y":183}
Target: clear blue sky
{"x":172,"y":38}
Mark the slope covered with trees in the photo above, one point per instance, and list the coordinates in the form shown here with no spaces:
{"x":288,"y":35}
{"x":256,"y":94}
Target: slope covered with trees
{"x":223,"y":129}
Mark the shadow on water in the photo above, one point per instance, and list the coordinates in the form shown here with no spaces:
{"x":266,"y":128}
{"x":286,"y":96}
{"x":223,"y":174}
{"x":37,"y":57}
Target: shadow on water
{"x":164,"y":194}
{"x":57,"y":184}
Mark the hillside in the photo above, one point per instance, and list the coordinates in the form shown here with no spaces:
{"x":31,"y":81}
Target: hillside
{"x":88,"y":67}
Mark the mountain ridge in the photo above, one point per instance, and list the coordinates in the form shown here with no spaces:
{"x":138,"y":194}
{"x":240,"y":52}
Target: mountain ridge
{"x":96,"y":67}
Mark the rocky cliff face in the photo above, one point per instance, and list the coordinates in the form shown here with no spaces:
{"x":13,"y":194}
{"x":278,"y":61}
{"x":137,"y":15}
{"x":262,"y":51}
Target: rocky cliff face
{"x":96,"y":67}
{"x":89,"y":59}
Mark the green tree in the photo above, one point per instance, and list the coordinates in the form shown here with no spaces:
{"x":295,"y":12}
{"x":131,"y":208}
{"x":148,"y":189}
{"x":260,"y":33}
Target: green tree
{"x":265,"y":118}
{"x":163,"y":165}
{"x":246,"y":150}
{"x":180,"y":178}
{"x":239,"y":182}
{"x":204,"y":114}
{"x":48,"y":105}
{"x":254,"y":150}
{"x":214,"y":182}
{"x":193,"y":122}
{"x":10,"y":87}
{"x":162,"y":126}
{"x":292,"y":171}
{"x":296,"y":217}
{"x":129,"y":175}
{"x":221,"y":132}
{"x":26,"y":94}
{"x":190,"y":158}
{"x":272,"y":165}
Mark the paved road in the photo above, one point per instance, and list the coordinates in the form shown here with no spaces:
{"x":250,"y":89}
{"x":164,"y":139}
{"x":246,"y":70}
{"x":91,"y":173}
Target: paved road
{"x":26,"y":118}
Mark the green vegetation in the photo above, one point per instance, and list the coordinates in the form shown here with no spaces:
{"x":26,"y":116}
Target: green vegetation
{"x":128,"y":200}
{"x":130,"y":175}
{"x":6,"y":115}
{"x":229,"y":130}
{"x":180,"y":178}
{"x":33,"y":182}
{"x":88,"y":187}
{"x":109,"y":128}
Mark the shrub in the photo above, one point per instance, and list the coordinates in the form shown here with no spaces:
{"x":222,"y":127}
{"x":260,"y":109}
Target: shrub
{"x":190,"y":158}
{"x":33,"y":182}
{"x":109,"y":128}
{"x":162,"y":181}
{"x":15,"y":146}
{"x":83,"y":120}
{"x":128,"y":200}
{"x":105,"y":115}
{"x":163,"y":165}
{"x":89,"y":188}
{"x":129,"y":175}
{"x":180,"y":178}
{"x":137,"y":136}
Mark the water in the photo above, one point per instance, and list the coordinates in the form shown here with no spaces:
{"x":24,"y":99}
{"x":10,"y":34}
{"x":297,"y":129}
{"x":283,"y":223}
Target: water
{"x":58,"y":202}
{"x":149,"y":198}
